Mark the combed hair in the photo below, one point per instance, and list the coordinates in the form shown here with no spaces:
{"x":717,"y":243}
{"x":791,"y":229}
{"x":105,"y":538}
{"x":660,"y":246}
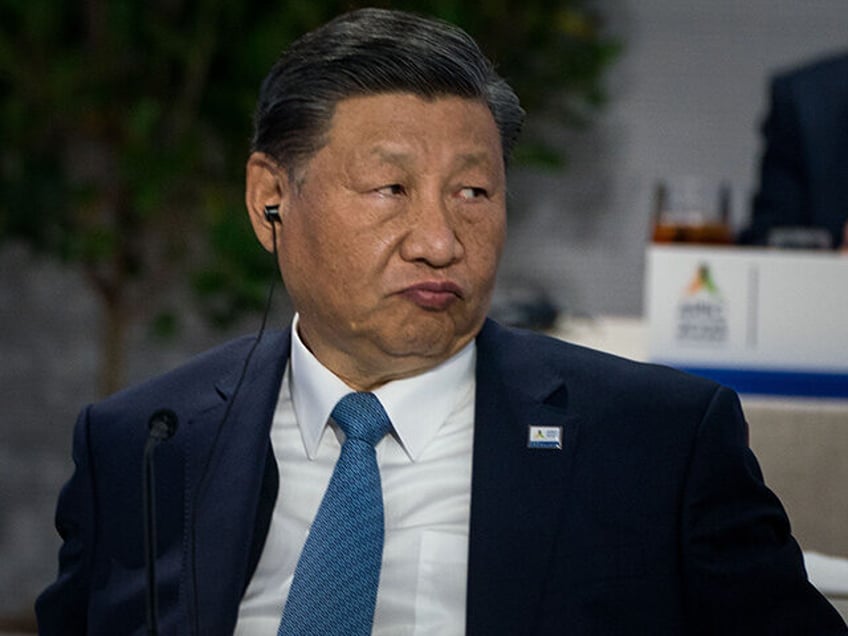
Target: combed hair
{"x":370,"y":52}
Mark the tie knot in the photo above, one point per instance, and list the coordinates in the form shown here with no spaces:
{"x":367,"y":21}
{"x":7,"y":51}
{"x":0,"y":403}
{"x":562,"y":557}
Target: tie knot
{"x":362,"y":417}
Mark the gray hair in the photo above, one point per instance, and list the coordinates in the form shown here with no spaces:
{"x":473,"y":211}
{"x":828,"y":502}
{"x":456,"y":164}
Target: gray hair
{"x":369,"y":52}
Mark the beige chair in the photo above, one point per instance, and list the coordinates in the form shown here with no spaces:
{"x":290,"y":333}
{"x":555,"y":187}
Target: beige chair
{"x":802,"y":446}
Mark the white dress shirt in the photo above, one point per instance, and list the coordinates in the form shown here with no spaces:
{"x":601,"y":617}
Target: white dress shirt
{"x":425,"y":467}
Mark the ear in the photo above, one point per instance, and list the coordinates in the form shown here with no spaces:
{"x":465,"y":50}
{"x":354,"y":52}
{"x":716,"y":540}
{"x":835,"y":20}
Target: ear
{"x":267,"y":185}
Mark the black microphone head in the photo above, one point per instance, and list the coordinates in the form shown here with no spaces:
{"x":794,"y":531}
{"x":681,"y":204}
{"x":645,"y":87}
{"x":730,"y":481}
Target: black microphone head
{"x":163,"y":424}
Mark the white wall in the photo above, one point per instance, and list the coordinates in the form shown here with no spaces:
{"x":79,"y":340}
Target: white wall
{"x":687,"y":98}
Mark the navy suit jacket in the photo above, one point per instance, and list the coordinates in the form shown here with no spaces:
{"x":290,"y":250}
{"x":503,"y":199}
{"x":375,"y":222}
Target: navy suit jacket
{"x":804,"y":169}
{"x":652,"y":519}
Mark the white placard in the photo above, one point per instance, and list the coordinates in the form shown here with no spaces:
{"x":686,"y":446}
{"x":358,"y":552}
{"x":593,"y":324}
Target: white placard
{"x":747,"y":308}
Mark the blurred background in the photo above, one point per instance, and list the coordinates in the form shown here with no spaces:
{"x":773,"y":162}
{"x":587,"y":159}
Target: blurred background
{"x":124,"y":247}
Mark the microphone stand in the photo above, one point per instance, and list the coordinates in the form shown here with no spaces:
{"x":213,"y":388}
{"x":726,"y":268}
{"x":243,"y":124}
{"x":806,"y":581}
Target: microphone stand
{"x":163,"y":424}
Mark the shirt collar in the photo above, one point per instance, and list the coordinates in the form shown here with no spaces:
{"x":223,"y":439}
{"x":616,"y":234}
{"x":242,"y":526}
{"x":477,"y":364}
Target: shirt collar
{"x":417,"y":406}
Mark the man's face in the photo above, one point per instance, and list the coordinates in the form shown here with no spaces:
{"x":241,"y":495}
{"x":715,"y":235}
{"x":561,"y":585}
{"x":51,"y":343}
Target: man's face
{"x":390,"y":243}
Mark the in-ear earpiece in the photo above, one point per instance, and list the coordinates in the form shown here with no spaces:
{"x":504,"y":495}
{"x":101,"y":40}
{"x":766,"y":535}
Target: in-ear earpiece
{"x":272,"y":213}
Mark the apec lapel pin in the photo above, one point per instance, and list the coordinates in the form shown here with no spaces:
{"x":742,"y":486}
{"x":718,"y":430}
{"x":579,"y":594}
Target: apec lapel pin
{"x":544,"y":437}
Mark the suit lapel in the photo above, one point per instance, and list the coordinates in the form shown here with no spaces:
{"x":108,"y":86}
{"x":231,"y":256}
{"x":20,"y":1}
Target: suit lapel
{"x":221,"y":547}
{"x":517,"y":499}
{"x":518,"y":493}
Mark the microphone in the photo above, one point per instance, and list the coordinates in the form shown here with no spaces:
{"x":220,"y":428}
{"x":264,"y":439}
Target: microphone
{"x":162,"y":424}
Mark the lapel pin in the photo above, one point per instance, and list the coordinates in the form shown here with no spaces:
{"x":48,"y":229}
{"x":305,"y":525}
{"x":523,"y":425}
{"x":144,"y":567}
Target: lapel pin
{"x":544,"y":437}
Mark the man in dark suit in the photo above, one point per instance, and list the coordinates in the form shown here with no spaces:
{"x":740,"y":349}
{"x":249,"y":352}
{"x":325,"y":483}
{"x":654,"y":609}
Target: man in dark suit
{"x":804,"y":168}
{"x":604,"y":496}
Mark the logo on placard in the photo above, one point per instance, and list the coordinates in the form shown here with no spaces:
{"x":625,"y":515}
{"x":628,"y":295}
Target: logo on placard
{"x":702,"y":312}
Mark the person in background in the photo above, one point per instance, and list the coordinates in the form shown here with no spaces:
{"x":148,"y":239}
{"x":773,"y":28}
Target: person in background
{"x":394,"y":462}
{"x":804,"y":168}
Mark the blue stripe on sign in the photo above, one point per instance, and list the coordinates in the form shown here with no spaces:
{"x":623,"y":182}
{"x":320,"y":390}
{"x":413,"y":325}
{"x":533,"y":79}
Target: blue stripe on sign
{"x":777,"y":382}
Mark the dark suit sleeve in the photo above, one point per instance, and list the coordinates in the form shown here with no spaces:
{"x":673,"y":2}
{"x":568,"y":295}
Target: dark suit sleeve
{"x":62,"y":607}
{"x":782,"y":198}
{"x":743,"y":571}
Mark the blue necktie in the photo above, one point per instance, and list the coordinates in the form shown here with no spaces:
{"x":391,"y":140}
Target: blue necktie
{"x":334,"y":590}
